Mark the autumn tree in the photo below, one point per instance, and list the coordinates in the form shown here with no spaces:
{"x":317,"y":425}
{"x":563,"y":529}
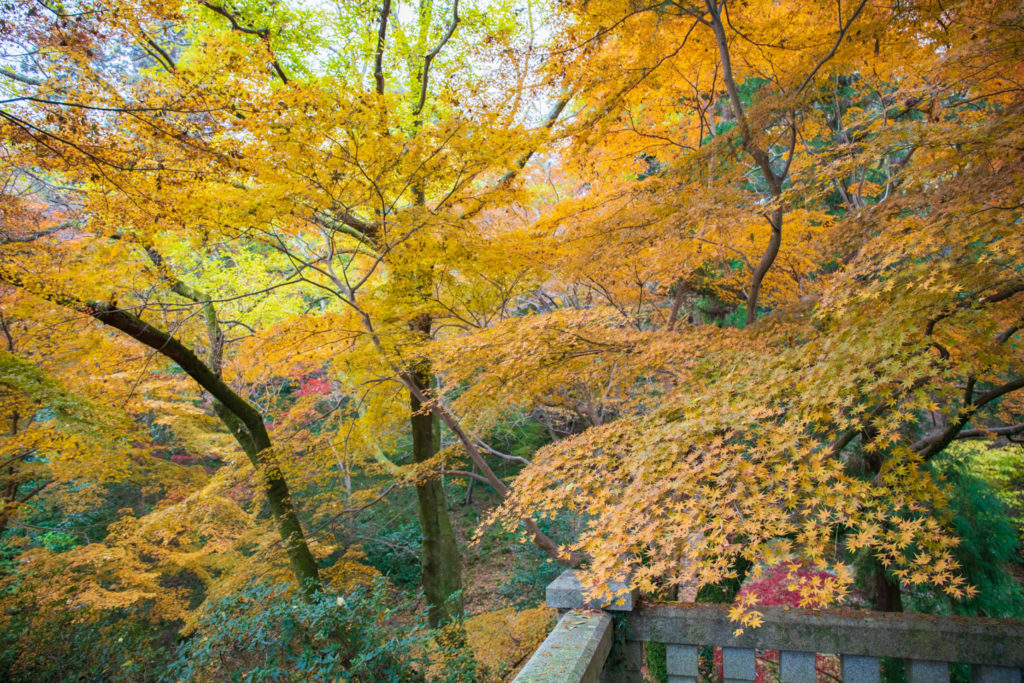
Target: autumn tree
{"x":839,"y":176}
{"x":58,"y":136}
{"x":352,"y":176}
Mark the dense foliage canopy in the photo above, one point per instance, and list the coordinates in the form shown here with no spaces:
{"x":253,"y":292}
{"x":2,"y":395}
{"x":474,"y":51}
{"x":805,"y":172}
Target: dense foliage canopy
{"x":724,"y":285}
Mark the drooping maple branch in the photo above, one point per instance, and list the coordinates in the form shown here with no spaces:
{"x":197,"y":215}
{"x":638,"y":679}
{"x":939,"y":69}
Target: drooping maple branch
{"x":244,"y":420}
{"x":983,"y":432}
{"x":540,"y":539}
{"x":503,"y":456}
{"x":33,"y":236}
{"x":469,"y":444}
{"x":1001,"y":295}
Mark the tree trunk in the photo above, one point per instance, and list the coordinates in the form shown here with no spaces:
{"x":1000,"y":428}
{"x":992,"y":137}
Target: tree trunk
{"x":258,"y":448}
{"x":241,"y":418}
{"x":440,"y":559}
{"x":885,"y":593}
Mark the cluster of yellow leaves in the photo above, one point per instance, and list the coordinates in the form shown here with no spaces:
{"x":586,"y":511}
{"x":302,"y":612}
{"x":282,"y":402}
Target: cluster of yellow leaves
{"x":501,"y":640}
{"x":795,"y":438}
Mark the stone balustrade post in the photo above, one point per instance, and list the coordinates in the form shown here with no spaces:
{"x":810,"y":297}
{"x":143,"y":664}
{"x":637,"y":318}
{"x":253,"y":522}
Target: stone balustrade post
{"x":583,"y":646}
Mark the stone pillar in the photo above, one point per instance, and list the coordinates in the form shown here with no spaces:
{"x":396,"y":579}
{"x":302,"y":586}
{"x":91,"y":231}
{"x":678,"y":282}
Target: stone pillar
{"x":625,"y":661}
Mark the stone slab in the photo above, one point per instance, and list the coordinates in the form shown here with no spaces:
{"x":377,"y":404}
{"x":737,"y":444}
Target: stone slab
{"x":574,"y":652}
{"x":738,"y":664}
{"x":861,"y":669}
{"x":995,"y":674}
{"x":924,"y":671}
{"x":797,"y":667}
{"x":682,"y":660}
{"x":972,"y":640}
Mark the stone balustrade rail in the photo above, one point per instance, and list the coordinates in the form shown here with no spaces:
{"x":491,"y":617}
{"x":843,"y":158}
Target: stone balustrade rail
{"x":585,"y":647}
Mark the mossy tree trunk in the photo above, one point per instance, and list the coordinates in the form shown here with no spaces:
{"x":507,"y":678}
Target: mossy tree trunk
{"x":440,"y":559}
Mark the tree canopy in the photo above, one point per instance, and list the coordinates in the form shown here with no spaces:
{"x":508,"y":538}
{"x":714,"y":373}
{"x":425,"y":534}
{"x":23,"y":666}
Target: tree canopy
{"x":751,"y":271}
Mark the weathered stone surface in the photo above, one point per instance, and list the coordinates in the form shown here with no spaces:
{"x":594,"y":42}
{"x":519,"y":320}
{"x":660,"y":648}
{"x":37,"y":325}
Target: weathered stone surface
{"x":861,"y":669}
{"x":924,"y":671}
{"x":867,"y":634}
{"x":995,"y":674}
{"x":566,"y":592}
{"x":797,"y":667}
{"x":574,"y":652}
{"x":738,"y":664}
{"x":625,"y":663}
{"x":682,"y":660}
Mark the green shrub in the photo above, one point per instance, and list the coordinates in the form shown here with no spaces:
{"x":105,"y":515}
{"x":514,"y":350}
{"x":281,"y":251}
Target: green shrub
{"x":394,"y":551}
{"x":267,"y":633}
{"x":988,"y":540}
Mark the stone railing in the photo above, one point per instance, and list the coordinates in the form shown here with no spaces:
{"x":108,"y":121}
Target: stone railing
{"x":585,"y":647}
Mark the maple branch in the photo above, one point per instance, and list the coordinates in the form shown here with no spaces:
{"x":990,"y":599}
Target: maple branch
{"x":347,"y":511}
{"x":739,"y":253}
{"x":215,"y":335}
{"x":542,"y":540}
{"x":5,"y":327}
{"x":984,"y":432}
{"x":1005,"y":335}
{"x":378,"y":59}
{"x":76,"y":530}
{"x":470,"y":475}
{"x":31,"y":237}
{"x":767,"y":259}
{"x":850,"y":434}
{"x":34,"y":492}
{"x":262,"y":33}
{"x":677,"y":304}
{"x":759,"y":155}
{"x":746,"y":139}
{"x":521,"y":162}
{"x":744,"y":36}
{"x":831,"y":53}
{"x":11,"y":506}
{"x":1001,"y":295}
{"x":929,"y":447}
{"x":240,"y":416}
{"x":503,"y":456}
{"x":21,"y":78}
{"x":19,"y":456}
{"x":168,"y":62}
{"x":31,"y":130}
{"x":407,"y":378}
{"x":427,"y":59}
{"x":351,"y":224}
{"x":183,"y":357}
{"x":792,"y":145}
